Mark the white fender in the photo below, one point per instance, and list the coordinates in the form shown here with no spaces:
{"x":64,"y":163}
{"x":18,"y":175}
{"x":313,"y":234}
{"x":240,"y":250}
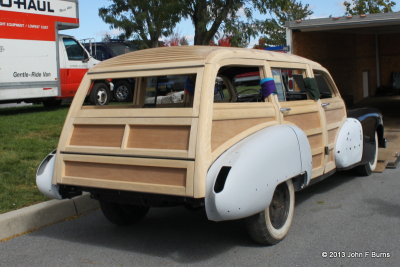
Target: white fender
{"x":349,"y":144}
{"x":44,"y":177}
{"x":257,"y":164}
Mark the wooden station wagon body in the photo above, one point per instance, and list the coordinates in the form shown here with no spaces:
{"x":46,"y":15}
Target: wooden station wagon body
{"x":202,"y":132}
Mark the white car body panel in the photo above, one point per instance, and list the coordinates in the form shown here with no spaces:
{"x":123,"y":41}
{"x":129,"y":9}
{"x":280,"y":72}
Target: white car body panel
{"x":44,"y":177}
{"x":349,"y":144}
{"x":256,"y":170}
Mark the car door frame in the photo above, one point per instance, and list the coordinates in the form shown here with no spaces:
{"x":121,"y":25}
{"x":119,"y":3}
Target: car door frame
{"x":313,"y":124}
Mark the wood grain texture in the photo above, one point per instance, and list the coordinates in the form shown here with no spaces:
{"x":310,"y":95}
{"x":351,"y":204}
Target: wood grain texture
{"x":223,"y":130}
{"x":335,"y":115}
{"x":159,"y":137}
{"x":305,"y":121}
{"x":126,"y":173}
{"x":97,"y":135}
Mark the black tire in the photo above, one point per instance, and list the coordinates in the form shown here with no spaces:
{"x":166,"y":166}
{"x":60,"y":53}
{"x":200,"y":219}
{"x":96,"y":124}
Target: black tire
{"x":367,"y":168}
{"x":123,"y":214}
{"x":272,"y":225}
{"x":100,"y":94}
{"x":122,"y":91}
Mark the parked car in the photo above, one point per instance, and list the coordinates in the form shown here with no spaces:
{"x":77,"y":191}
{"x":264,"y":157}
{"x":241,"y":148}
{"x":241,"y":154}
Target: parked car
{"x":122,"y":88}
{"x":215,"y":139}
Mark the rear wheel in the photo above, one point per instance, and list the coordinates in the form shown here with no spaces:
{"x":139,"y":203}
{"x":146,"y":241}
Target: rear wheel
{"x":123,"y":214}
{"x":367,"y":168}
{"x":272,"y":225}
{"x":123,"y":91}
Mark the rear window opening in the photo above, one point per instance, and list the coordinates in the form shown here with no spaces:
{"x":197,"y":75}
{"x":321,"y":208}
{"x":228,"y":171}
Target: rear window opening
{"x":164,"y":91}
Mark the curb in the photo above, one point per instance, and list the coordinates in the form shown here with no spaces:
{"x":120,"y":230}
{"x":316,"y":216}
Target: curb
{"x":18,"y":222}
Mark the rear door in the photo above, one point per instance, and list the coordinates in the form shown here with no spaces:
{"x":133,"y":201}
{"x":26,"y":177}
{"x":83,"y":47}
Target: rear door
{"x":297,"y":108}
{"x":333,"y":112}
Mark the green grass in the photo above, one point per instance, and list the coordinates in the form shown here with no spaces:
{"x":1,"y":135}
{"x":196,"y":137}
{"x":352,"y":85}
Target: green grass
{"x":27,"y":135}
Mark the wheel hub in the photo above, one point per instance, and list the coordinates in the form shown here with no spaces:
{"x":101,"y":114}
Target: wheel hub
{"x":279,"y":207}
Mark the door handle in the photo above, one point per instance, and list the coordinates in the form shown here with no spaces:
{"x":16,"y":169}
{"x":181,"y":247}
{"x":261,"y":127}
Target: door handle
{"x":324,"y":105}
{"x":285,"y":109}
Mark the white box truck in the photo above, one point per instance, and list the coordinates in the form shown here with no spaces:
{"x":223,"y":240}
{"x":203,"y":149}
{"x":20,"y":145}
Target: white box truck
{"x":37,"y":64}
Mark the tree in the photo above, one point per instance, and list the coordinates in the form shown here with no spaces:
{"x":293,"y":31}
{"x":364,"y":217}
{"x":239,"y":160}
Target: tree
{"x":358,"y":7}
{"x":147,"y":20}
{"x":282,"y":11}
{"x":231,"y":17}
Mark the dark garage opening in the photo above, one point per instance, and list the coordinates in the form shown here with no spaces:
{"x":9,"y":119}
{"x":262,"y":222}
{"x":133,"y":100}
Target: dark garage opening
{"x":361,"y":52}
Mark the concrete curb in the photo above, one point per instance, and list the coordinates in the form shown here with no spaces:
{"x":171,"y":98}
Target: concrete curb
{"x":27,"y":219}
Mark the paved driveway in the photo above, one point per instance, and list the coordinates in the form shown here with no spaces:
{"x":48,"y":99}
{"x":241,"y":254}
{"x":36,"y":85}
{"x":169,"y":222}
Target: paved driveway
{"x":354,"y":220}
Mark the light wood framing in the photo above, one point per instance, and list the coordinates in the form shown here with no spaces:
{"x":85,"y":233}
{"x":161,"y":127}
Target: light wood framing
{"x":169,"y":150}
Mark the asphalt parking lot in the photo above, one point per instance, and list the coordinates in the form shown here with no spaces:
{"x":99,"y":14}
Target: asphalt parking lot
{"x":342,"y":221}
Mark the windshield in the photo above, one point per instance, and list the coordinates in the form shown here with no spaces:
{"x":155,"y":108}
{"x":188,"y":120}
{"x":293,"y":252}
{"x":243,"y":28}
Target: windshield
{"x":119,"y":49}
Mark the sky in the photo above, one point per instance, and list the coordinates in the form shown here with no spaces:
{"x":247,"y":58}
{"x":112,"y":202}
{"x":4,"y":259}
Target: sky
{"x":92,"y":26}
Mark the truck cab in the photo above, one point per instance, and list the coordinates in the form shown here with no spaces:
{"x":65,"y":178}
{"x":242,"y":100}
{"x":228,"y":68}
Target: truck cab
{"x":236,"y":131}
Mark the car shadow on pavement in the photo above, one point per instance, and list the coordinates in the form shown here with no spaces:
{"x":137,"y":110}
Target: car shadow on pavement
{"x":328,"y":184}
{"x":176,"y":233}
{"x":183,"y":236}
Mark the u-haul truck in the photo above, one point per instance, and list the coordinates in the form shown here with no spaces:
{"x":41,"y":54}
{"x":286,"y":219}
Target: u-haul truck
{"x":36,"y":62}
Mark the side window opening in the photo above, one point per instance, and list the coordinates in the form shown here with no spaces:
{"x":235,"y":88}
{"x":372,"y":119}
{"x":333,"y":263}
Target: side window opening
{"x":324,"y":86}
{"x":290,"y":84}
{"x":169,"y":91}
{"x":238,"y":84}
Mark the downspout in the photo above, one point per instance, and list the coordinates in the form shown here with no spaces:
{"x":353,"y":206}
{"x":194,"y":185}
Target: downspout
{"x":378,"y":66}
{"x":289,"y":40}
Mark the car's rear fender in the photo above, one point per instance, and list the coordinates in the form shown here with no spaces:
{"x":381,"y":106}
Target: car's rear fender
{"x":241,"y":182}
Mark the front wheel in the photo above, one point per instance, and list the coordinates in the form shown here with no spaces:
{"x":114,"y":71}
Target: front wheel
{"x":272,"y":225}
{"x":367,"y":168}
{"x":123,"y":214}
{"x":100,"y":94}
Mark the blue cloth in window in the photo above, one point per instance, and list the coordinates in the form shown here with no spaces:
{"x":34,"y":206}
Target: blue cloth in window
{"x":267,"y":87}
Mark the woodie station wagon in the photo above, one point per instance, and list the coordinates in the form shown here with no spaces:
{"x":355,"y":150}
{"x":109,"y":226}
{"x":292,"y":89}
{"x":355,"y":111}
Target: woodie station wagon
{"x":236,"y":131}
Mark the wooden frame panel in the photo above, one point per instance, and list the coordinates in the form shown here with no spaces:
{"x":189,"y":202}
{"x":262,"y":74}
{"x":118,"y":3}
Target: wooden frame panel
{"x":159,"y":137}
{"x":132,"y":174}
{"x":162,"y":137}
{"x":97,"y":135}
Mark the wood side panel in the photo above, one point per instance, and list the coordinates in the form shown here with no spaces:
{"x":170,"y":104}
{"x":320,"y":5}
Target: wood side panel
{"x":334,"y":115}
{"x":97,"y":135}
{"x":223,"y":130}
{"x":305,"y":121}
{"x":126,"y":173}
{"x":316,"y":161}
{"x":332,"y":135}
{"x":315,"y":141}
{"x":159,"y":137}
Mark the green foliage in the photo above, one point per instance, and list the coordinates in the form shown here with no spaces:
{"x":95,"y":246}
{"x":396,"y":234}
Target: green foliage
{"x":225,"y":18}
{"x":358,"y":7}
{"x":27,"y":135}
{"x":208,"y":17}
{"x":282,"y":11}
{"x":146,"y":21}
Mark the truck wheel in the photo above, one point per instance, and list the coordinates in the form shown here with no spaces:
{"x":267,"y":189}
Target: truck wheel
{"x":123,"y":91}
{"x":272,"y":225}
{"x":100,"y":94}
{"x":122,"y":214}
{"x":369,"y":167}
